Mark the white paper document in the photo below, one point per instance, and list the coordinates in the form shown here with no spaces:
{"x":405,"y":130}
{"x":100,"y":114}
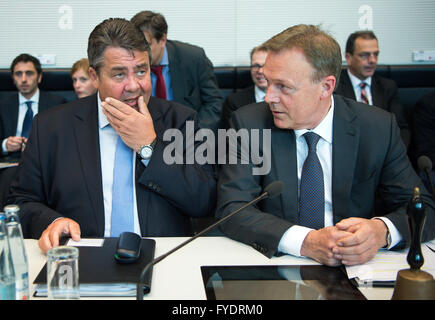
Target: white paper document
{"x":4,"y":165}
{"x":86,"y":243}
{"x":385,"y":265}
{"x":95,"y":290}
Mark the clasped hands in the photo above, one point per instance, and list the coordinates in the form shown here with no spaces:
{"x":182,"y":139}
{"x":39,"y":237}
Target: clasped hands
{"x":14,"y":143}
{"x":351,"y":241}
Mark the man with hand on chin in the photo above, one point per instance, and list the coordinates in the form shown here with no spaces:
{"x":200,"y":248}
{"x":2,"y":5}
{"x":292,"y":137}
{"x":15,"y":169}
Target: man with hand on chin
{"x":95,"y":167}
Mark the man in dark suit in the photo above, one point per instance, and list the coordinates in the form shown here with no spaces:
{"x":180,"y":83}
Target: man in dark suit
{"x":251,"y":94}
{"x":181,"y":71}
{"x":332,"y":154}
{"x":96,"y":166}
{"x":423,"y":138}
{"x":359,"y":82}
{"x":17,"y":111}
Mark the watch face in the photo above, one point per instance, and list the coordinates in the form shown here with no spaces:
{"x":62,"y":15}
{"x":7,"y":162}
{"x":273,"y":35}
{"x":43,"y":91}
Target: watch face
{"x":146,"y":152}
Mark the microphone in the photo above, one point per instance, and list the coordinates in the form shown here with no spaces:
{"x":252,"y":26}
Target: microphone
{"x":425,"y":164}
{"x":272,"y":190}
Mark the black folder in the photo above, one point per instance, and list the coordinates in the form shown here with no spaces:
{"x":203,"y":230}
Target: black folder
{"x":100,"y":275}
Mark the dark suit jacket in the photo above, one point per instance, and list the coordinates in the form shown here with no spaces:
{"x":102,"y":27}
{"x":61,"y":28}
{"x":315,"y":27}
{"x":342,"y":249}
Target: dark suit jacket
{"x":368,"y":157}
{"x":236,"y":100}
{"x":423,"y":134}
{"x":384,"y":94}
{"x":9,"y":113}
{"x":424,"y":127}
{"x":194,"y":83}
{"x":60,"y":174}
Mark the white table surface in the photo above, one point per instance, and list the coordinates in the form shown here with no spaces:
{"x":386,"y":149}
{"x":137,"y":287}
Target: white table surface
{"x":183,"y":267}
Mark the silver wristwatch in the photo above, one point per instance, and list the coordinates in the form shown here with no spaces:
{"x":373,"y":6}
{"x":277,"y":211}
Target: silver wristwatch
{"x":146,"y":151}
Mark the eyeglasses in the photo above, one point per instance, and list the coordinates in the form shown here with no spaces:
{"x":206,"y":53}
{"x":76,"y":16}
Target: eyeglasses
{"x":257,"y":67}
{"x":366,"y":55}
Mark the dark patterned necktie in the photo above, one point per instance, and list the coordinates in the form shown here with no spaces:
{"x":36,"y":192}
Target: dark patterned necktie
{"x":28,"y":118}
{"x":312,"y":193}
{"x":364,"y":97}
{"x":160,"y":82}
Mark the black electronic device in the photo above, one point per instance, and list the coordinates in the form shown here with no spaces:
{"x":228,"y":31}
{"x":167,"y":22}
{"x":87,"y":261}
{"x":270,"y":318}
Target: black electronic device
{"x":128,"y":247}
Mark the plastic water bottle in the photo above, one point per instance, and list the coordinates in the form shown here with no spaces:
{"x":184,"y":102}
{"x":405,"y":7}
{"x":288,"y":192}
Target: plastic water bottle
{"x":7,"y":275}
{"x":18,"y":252}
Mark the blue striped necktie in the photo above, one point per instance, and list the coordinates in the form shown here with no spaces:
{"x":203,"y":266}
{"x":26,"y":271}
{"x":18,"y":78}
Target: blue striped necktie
{"x":122,"y":196}
{"x":28,"y":118}
{"x":312,"y":193}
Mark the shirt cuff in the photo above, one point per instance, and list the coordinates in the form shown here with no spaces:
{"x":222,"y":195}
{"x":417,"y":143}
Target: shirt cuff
{"x":4,"y":150}
{"x":396,"y":237}
{"x":291,"y":241}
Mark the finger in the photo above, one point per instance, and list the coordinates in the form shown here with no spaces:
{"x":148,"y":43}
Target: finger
{"x":119,"y":106}
{"x":110,"y":110}
{"x":352,"y":240}
{"x":354,"y":228}
{"x":143,"y":108}
{"x":44,"y":242}
{"x":74,"y":231}
{"x":354,"y":259}
{"x":347,"y":223}
{"x":54,"y":235}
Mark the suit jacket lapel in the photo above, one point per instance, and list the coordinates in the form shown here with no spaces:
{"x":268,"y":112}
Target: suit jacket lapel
{"x":377,"y":93}
{"x":85,"y":124}
{"x":285,"y":167}
{"x":12,"y":122}
{"x":344,"y":155}
{"x":346,"y":86}
{"x":43,"y":103}
{"x":176,"y":72}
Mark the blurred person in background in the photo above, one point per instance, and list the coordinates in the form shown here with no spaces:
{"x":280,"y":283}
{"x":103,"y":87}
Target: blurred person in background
{"x":82,"y":83}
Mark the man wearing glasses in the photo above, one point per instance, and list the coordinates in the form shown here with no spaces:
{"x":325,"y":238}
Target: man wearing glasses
{"x":360,"y":83}
{"x":252,"y":94}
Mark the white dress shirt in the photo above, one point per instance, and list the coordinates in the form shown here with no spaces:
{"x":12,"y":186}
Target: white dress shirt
{"x":22,"y":110}
{"x":259,"y":94}
{"x":291,"y":241}
{"x":108,"y":138}
{"x":357,"y":89}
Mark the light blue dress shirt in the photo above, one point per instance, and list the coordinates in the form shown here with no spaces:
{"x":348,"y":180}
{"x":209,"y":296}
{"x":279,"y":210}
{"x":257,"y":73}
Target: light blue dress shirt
{"x":166,"y":75}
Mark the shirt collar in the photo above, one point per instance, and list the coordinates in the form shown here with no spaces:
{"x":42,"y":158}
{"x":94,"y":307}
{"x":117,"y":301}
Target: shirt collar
{"x":102,"y":119}
{"x":34,"y":98}
{"x":356,"y":81}
{"x":259,"y":94}
{"x":324,"y":128}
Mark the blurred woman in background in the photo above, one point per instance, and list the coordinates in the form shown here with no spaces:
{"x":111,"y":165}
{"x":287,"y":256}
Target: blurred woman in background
{"x":83,"y":86}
